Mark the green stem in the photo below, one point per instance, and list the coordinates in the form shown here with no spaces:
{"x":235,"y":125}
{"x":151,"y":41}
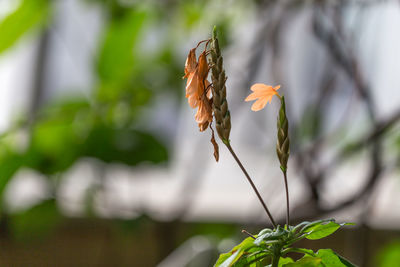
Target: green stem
{"x":251,"y":183}
{"x":275,"y":260}
{"x":287,"y":199}
{"x":277,"y":252}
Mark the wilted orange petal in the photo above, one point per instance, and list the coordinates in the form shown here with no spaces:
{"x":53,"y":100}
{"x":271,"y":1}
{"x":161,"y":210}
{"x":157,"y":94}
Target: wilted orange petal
{"x":196,"y":74}
{"x":204,"y":113}
{"x":202,"y":66}
{"x":193,"y":90}
{"x":191,"y":84}
{"x":190,"y":64}
{"x":207,"y":86}
{"x":193,"y":101}
{"x":215,"y":145}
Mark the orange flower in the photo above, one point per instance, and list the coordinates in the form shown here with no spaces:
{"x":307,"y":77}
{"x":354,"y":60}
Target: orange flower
{"x":196,"y":86}
{"x":198,"y":91}
{"x":263,"y":93}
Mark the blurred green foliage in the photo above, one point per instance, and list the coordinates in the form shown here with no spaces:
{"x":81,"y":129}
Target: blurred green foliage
{"x":36,"y":221}
{"x":389,"y":256}
{"x":220,"y":230}
{"x":29,"y":14}
{"x":117,"y":57}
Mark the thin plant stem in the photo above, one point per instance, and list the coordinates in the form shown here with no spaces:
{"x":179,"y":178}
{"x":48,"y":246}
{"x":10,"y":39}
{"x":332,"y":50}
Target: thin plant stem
{"x":287,"y":199}
{"x":247,"y":233}
{"x":251,"y":183}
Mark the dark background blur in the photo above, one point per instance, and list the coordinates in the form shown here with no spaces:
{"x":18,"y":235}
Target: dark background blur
{"x":102,"y":163}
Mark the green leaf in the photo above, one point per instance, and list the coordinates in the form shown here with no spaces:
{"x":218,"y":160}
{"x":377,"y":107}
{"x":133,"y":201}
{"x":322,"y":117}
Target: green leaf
{"x":345,"y":261}
{"x":322,"y":230}
{"x":252,"y":259}
{"x":283,"y":261}
{"x":28,"y":15}
{"x":230,"y":258}
{"x":305,"y":225}
{"x":330,"y":258}
{"x":306,"y":262}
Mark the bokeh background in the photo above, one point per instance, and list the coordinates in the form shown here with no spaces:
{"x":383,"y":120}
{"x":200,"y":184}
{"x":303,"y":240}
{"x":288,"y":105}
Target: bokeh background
{"x":102,"y":163}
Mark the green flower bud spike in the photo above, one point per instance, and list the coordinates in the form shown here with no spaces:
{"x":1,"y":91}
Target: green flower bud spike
{"x":220,"y":105}
{"x":282,"y":144}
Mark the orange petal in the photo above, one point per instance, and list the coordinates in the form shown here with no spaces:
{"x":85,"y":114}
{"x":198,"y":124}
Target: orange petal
{"x":277,"y":87}
{"x":263,"y":93}
{"x":260,"y":86}
{"x":259,"y":104}
{"x":253,"y":96}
